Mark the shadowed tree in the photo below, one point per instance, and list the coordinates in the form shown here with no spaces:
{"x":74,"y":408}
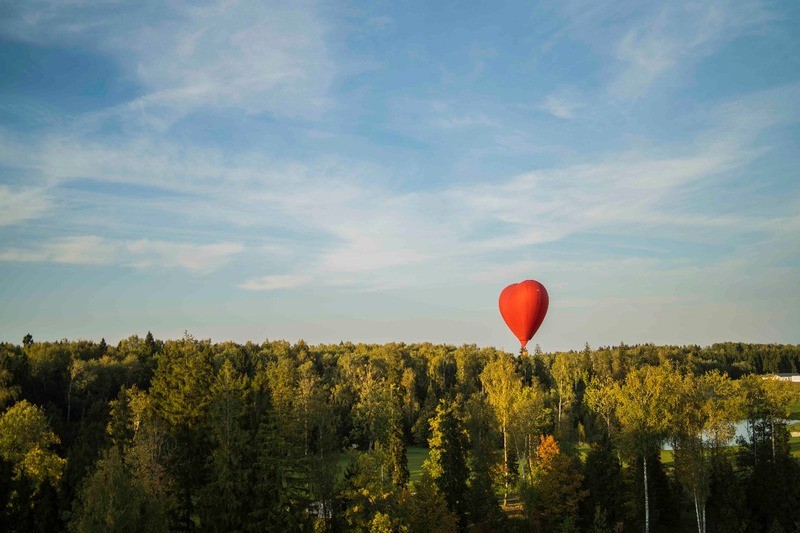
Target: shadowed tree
{"x":427,"y":510}
{"x":482,"y":506}
{"x":227,"y":495}
{"x":180,"y":395}
{"x":113,"y":500}
{"x":447,"y":461}
{"x":398,"y":462}
{"x":604,"y":484}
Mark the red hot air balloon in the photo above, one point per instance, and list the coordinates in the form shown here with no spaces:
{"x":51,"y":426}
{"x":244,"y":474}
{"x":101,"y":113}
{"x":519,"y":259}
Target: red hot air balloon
{"x":523,"y":306}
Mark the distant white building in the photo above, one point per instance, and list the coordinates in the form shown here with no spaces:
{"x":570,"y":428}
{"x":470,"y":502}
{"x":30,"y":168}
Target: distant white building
{"x":785,"y":377}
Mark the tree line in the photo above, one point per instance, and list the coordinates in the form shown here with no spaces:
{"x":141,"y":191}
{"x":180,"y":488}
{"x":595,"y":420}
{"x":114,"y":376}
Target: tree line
{"x":186,"y":434}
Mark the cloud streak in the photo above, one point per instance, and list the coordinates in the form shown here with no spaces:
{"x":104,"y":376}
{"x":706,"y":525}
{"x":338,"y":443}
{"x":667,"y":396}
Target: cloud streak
{"x":23,"y":204}
{"x":357,"y":230}
{"x":652,"y":42}
{"x":197,"y":259}
{"x":247,"y":55}
{"x":274,"y":283}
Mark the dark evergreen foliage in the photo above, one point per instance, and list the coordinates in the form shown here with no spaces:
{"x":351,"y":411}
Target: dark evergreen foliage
{"x":447,"y":462}
{"x":604,"y":485}
{"x":726,"y":508}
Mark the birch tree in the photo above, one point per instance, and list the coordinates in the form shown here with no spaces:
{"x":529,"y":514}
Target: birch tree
{"x":701,"y":426}
{"x":644,"y":403}
{"x":502,"y":386}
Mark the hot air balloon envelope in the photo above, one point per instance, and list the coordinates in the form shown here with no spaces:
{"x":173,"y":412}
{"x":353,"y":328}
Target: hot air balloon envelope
{"x":523,"y":306}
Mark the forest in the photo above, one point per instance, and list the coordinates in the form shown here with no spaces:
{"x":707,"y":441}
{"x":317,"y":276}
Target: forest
{"x":190,"y":435}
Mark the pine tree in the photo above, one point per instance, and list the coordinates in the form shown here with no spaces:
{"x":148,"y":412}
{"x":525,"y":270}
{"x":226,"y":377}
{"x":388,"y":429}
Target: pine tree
{"x":279,"y":481}
{"x":447,"y":461}
{"x":726,"y":509}
{"x":604,"y":483}
{"x":180,"y":394}
{"x":398,"y":462}
{"x":483,"y":507}
{"x":227,"y":495}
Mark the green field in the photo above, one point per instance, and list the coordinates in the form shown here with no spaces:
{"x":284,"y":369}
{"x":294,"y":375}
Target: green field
{"x":794,"y":406}
{"x":416,"y":456}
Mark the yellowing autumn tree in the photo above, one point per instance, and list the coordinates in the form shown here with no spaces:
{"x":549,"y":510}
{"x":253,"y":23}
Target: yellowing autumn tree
{"x":552,"y":501}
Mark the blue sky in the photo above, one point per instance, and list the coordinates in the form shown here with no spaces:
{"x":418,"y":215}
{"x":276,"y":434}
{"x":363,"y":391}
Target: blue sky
{"x":380,"y":171}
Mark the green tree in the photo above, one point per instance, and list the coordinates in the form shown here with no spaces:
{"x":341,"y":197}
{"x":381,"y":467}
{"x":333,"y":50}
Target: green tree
{"x":603,"y":482}
{"x":48,"y":365}
{"x":8,"y":391}
{"x":227,"y":495}
{"x":398,"y":461}
{"x":527,"y":421}
{"x":26,"y":441}
{"x":566,"y":372}
{"x":367,"y":491}
{"x":180,"y":394}
{"x":663,"y":506}
{"x":482,"y":505}
{"x":601,"y":396}
{"x":701,"y":426}
{"x":374,"y":407}
{"x":113,"y":500}
{"x":643,"y":407}
{"x":427,"y":510}
{"x":502,"y":386}
{"x":771,"y":474}
{"x":447,"y":461}
{"x":120,"y":426}
{"x":280,"y":481}
{"x":150,"y":449}
{"x":726,"y":508}
{"x":31,"y":468}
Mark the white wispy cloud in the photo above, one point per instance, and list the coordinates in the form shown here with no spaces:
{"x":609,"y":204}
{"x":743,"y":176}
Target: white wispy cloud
{"x":546,"y":206}
{"x":677,"y":35}
{"x":249,"y":55}
{"x":464,"y":121}
{"x":79,"y":250}
{"x":650,"y":43}
{"x":196,"y":258}
{"x":22,"y":204}
{"x":256,"y":56}
{"x":141,"y":254}
{"x":561,"y":106}
{"x":354,"y":227}
{"x":275,"y":282}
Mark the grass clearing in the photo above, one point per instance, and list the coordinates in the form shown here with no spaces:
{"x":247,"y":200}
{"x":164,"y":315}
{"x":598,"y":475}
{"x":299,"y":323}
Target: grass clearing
{"x":794,"y":446}
{"x":415,"y":456}
{"x":794,"y":407}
